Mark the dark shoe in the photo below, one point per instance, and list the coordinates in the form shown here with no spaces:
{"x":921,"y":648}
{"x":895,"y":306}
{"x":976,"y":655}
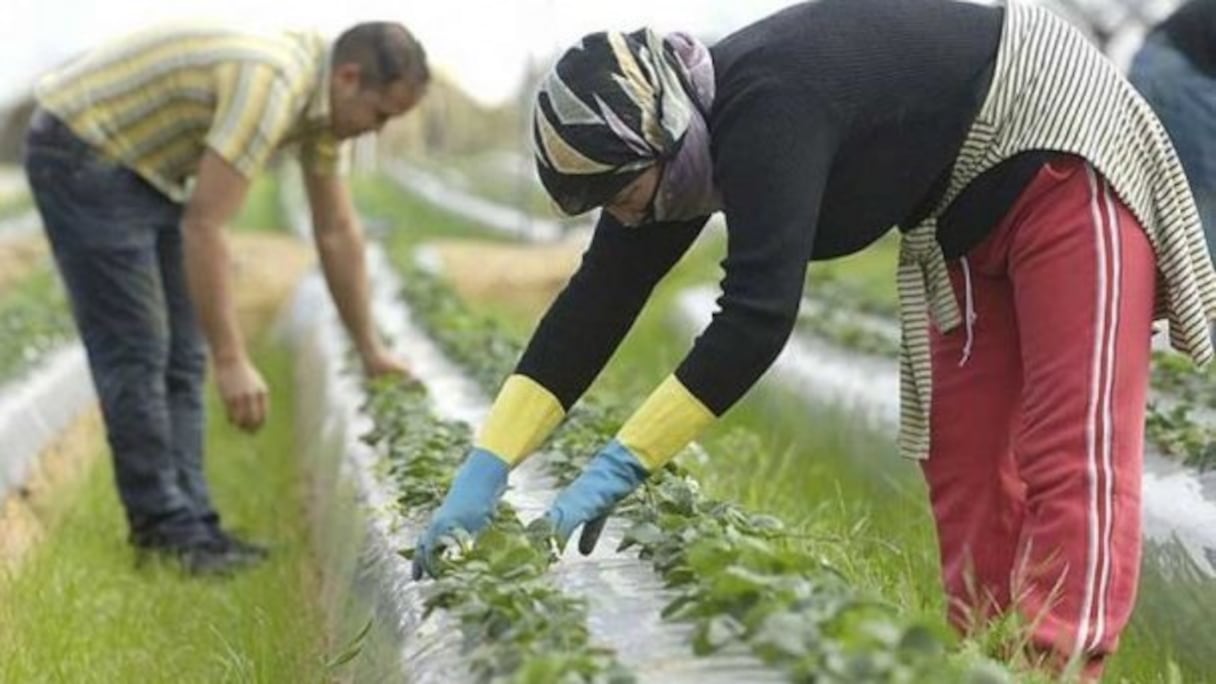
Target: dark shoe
{"x":199,"y":558}
{"x":207,"y":560}
{"x":251,"y":552}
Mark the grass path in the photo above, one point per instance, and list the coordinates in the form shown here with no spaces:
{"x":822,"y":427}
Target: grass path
{"x":78,"y":611}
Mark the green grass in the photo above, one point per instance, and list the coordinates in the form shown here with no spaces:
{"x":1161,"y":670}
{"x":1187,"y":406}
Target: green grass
{"x":78,"y":610}
{"x":821,"y":470}
{"x":15,"y":204}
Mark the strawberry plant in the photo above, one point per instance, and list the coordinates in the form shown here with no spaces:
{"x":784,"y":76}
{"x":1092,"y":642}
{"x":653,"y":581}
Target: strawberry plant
{"x":1172,"y":424}
{"x":1177,"y":433}
{"x":1176,"y":375}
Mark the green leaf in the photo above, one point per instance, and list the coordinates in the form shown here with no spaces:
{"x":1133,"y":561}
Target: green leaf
{"x":352,"y":649}
{"x":785,"y":635}
{"x":715,"y":633}
{"x":921,"y":641}
{"x":641,"y":534}
{"x":987,"y":672}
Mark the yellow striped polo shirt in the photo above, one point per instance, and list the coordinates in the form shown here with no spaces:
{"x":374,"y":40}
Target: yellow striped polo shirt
{"x":155,"y":100}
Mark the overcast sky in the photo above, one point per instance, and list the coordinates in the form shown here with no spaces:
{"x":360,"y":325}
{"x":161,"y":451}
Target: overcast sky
{"x":483,"y":44}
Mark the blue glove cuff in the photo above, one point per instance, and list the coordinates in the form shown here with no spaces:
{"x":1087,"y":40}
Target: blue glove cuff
{"x":482,"y":477}
{"x":611,"y":476}
{"x":616,"y":460}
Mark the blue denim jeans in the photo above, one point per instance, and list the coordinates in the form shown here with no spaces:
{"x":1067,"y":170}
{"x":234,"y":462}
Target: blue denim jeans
{"x":118,"y":245}
{"x":1184,"y":99}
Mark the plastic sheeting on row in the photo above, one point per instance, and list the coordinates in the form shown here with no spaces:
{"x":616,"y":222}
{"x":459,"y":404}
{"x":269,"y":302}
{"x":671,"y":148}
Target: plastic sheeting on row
{"x":1178,"y":502}
{"x":502,"y":218}
{"x":363,"y":575}
{"x":37,"y":407}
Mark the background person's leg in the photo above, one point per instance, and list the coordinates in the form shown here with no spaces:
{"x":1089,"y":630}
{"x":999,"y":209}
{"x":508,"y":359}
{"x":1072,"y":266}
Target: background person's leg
{"x":99,"y":218}
{"x":185,"y":377}
{"x":1184,"y":99}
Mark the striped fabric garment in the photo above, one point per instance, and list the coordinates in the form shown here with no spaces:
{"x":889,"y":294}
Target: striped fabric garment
{"x":154,"y":101}
{"x":1052,"y":90}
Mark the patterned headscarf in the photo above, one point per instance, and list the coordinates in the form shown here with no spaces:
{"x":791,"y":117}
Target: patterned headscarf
{"x":614,"y":105}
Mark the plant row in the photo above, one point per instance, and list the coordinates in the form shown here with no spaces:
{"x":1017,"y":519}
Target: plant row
{"x":515,"y":624}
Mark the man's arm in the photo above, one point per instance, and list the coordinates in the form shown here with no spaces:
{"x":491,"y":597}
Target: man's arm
{"x":340,"y":244}
{"x":219,"y":191}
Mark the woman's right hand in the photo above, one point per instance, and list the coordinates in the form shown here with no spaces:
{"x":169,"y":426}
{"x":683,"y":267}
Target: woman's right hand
{"x":468,"y":506}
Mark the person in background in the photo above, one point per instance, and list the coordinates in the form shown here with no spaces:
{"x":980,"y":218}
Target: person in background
{"x":1175,"y":70}
{"x":1038,"y":198}
{"x":138,"y":155}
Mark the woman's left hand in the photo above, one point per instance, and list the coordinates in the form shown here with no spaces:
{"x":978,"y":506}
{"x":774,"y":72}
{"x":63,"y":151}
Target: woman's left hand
{"x":611,"y":476}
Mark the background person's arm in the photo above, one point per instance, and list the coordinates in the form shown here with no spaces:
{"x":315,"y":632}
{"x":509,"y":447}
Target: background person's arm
{"x":218,"y":194}
{"x":340,"y":244}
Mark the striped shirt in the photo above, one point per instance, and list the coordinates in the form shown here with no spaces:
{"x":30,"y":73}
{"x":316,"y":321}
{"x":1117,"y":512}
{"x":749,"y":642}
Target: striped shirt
{"x":1052,"y":90}
{"x":154,"y":101}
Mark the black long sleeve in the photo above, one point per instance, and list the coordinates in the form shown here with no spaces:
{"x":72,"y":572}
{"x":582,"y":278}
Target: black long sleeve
{"x":772,"y":170}
{"x":588,"y":320}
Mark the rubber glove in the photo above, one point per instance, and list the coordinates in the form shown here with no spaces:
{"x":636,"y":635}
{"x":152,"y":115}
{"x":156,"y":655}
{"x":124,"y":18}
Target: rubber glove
{"x":612,"y":475}
{"x":469,"y":506}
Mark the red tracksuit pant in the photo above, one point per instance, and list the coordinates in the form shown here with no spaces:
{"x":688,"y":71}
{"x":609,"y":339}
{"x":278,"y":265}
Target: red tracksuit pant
{"x":1038,"y":418}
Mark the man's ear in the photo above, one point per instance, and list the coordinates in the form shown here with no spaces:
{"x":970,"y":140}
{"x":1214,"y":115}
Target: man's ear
{"x":348,"y":75}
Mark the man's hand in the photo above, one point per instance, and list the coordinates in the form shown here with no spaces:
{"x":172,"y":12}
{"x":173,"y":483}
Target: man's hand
{"x":244,"y":394}
{"x":379,"y":362}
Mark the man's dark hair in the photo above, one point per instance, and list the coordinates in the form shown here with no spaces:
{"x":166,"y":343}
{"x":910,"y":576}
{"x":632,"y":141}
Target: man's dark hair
{"x":385,"y":51}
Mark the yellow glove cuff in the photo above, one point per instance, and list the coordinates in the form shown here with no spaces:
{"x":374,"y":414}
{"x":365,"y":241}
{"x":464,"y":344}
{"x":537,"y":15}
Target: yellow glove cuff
{"x":522,"y":416}
{"x":665,"y":423}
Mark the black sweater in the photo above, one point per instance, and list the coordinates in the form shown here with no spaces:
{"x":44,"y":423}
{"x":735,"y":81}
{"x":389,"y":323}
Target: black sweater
{"x":833,"y":122}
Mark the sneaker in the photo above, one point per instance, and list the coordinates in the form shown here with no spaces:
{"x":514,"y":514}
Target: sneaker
{"x":207,"y":560}
{"x":196,"y":558}
{"x":228,"y":542}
